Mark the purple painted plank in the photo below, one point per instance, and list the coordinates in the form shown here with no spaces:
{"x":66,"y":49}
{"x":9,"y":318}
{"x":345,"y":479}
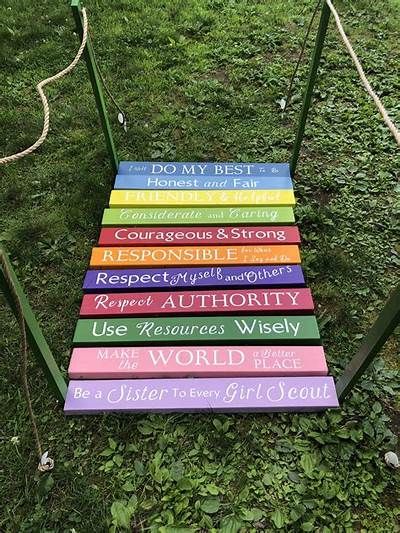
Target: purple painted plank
{"x":161,"y":278}
{"x":201,"y":394}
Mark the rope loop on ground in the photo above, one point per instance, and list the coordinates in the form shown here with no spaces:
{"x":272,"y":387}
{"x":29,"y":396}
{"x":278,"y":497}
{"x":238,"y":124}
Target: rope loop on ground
{"x":46,"y":110}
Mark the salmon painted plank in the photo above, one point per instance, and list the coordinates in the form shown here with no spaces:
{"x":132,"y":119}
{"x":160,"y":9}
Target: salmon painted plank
{"x":201,"y":395}
{"x":184,"y":198}
{"x":166,"y":182}
{"x":165,"y":216}
{"x":273,"y":329}
{"x":195,"y":255}
{"x":196,"y":361}
{"x":196,"y":302}
{"x":208,"y":235}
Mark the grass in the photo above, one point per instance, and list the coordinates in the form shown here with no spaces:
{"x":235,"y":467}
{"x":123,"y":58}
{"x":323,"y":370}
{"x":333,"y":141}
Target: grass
{"x":200,"y":80}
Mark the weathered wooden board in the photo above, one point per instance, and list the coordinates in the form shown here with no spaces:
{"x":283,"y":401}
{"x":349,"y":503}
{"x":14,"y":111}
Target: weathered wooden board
{"x":165,"y":216}
{"x":150,"y":198}
{"x":165,"y":182}
{"x":196,"y":361}
{"x":193,"y":169}
{"x":164,"y":278}
{"x":124,"y":331}
{"x":195,"y":255}
{"x":199,"y":235}
{"x":196,"y":302}
{"x":201,"y":394}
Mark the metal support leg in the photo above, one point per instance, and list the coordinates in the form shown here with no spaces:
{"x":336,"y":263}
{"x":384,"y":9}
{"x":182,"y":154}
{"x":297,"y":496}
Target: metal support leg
{"x":96,"y":86}
{"x":35,"y":337}
{"x":385,"y":324}
{"x":312,"y":76}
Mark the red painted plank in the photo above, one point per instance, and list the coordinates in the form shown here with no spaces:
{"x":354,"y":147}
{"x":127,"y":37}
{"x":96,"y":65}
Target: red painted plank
{"x":194,"y":302}
{"x":209,"y":235}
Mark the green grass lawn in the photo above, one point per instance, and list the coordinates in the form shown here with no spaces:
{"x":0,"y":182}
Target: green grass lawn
{"x":201,"y":80}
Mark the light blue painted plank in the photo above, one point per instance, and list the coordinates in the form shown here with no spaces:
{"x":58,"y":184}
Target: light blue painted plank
{"x":156,"y":182}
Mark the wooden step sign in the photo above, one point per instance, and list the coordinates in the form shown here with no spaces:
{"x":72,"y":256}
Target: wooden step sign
{"x":124,"y":331}
{"x":149,"y":198}
{"x":166,"y":182}
{"x":201,"y":394}
{"x":196,"y":361}
{"x":164,"y":278}
{"x":196,"y":302}
{"x":166,"y":216}
{"x":195,"y":255}
{"x":212,"y":170}
{"x":199,"y":235}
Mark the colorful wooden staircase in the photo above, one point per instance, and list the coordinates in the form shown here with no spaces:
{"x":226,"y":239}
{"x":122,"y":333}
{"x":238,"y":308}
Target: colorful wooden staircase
{"x":195,"y":299}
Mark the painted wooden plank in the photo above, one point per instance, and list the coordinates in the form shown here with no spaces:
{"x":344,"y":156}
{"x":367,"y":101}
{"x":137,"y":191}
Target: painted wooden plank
{"x":195,"y":255}
{"x":165,"y":182}
{"x":196,"y":169}
{"x":182,"y":198}
{"x":165,"y":216}
{"x":210,"y":235}
{"x":163,"y":278}
{"x":201,"y":394}
{"x":124,"y":331}
{"x":196,"y":361}
{"x":196,"y":302}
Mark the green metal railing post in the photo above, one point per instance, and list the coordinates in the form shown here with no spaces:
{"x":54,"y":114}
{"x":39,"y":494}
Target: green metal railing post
{"x":35,"y":337}
{"x":385,"y":324}
{"x":312,"y":76}
{"x":96,"y":86}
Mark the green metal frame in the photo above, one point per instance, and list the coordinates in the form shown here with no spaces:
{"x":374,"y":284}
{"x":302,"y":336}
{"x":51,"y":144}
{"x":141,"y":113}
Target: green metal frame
{"x":94,"y":77}
{"x":312,"y":78}
{"x":387,"y":321}
{"x":389,"y":317}
{"x":35,"y":337}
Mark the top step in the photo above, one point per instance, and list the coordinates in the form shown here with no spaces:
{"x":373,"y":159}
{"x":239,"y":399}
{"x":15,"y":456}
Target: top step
{"x":175,"y":169}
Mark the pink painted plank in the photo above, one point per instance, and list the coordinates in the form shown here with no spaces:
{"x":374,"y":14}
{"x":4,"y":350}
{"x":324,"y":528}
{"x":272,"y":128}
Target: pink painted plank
{"x":208,"y":235}
{"x":201,"y":395}
{"x":194,"y":302}
{"x":197,"y":361}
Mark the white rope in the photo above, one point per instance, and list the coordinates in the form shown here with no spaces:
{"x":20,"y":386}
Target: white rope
{"x":45,"y":103}
{"x":392,"y":127}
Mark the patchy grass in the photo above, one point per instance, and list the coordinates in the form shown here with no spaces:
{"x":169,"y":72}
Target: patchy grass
{"x":200,"y":80}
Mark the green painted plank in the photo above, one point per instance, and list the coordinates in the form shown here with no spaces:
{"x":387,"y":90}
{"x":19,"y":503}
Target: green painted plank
{"x":161,"y":216}
{"x":120,"y":331}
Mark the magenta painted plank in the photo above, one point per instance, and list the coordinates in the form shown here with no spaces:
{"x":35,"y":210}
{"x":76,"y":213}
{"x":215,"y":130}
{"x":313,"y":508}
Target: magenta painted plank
{"x":194,"y":302}
{"x":201,"y":394}
{"x":208,"y":235}
{"x":196,"y":361}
